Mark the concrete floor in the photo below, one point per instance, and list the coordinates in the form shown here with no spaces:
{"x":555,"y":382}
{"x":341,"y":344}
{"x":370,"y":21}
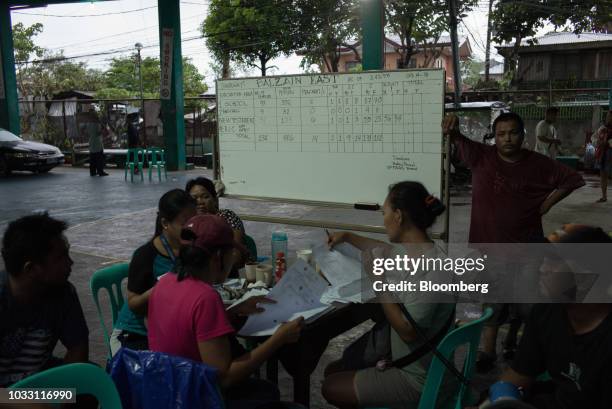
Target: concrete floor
{"x":109,"y":218}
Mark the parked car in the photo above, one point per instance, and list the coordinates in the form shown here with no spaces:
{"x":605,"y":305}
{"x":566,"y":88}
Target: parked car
{"x":17,"y":154}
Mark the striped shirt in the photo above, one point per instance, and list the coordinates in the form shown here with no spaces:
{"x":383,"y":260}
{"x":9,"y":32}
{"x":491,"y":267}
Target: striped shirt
{"x":28,"y":334}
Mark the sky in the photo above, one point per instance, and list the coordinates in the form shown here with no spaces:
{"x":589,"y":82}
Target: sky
{"x":88,"y":28}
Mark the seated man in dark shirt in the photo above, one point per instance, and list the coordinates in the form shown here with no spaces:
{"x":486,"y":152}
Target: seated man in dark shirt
{"x":572,"y":343}
{"x":38,"y":306}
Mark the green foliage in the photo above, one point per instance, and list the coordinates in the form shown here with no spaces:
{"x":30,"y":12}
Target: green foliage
{"x":23,"y":42}
{"x":56,"y":75}
{"x":325,"y":26}
{"x":470,"y":71}
{"x":121,"y":79}
{"x":251,"y":32}
{"x":420,"y":24}
{"x":115,"y":93}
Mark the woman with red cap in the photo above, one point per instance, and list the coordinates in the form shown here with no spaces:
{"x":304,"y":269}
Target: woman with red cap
{"x":187,"y":318}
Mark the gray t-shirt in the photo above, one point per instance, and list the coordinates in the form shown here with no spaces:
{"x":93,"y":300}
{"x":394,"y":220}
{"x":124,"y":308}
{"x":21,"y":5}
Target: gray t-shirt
{"x":28,"y":334}
{"x":430,"y":317}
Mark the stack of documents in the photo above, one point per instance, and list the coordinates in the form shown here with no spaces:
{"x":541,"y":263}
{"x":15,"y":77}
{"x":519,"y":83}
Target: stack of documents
{"x":297,"y":294}
{"x":342,"y":268}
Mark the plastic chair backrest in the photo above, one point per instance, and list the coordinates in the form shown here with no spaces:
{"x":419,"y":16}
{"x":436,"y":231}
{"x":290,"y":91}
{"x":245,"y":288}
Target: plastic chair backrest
{"x":135,"y":155}
{"x":109,"y":278}
{"x":157,"y":155}
{"x":251,"y":246}
{"x":148,"y":379}
{"x":85,"y":378}
{"x":466,"y":334}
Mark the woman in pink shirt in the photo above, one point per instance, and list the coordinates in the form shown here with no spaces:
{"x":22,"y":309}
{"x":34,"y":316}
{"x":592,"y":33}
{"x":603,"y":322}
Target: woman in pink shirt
{"x":186,"y":316}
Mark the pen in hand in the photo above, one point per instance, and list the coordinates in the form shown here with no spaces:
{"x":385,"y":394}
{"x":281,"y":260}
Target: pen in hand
{"x":329,"y":239}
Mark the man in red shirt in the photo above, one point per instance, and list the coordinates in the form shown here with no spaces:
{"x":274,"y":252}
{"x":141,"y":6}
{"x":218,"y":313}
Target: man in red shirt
{"x":512,"y":188}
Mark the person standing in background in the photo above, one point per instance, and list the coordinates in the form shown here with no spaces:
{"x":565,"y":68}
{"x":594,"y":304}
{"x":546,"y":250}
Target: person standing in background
{"x":133,"y":133}
{"x":603,"y":156}
{"x":96,"y":154}
{"x":547,"y":141}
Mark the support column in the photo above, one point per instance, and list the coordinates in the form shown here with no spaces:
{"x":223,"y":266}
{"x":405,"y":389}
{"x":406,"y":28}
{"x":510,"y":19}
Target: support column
{"x":171,"y":91}
{"x":453,"y":11}
{"x":373,"y":26}
{"x":9,"y":104}
{"x":610,"y":94}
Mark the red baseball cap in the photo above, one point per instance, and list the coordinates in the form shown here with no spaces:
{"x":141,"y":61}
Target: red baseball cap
{"x":208,"y":230}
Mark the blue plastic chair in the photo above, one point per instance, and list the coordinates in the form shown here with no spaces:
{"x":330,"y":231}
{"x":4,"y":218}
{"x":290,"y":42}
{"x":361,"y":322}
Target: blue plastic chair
{"x":85,"y":378}
{"x":147,"y":379}
{"x":134,"y":160}
{"x":158,"y":160}
{"x":109,"y":278}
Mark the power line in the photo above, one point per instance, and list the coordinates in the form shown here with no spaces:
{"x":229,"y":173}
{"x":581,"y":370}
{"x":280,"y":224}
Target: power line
{"x":128,"y":48}
{"x":85,"y":15}
{"x":118,"y":34}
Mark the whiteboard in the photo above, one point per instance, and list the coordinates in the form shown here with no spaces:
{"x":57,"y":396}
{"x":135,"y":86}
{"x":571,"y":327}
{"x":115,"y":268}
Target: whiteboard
{"x":340,"y":137}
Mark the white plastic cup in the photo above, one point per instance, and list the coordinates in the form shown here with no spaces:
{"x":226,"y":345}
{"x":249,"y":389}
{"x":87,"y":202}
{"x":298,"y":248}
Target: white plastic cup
{"x":305,"y":255}
{"x":268,"y":278}
{"x":261,"y":271}
{"x":251,"y":272}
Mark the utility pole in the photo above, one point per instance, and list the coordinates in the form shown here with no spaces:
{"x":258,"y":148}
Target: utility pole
{"x":139,"y":62}
{"x":488,"y":50}
{"x":455,"y":48}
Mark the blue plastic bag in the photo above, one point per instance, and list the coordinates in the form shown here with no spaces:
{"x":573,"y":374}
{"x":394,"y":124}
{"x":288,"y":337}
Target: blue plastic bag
{"x":147,"y":379}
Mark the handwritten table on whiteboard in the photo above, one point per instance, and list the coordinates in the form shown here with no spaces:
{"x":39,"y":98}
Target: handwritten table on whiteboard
{"x":394,"y":116}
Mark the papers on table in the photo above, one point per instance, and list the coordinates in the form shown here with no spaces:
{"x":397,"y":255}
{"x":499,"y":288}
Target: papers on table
{"x":342,"y":268}
{"x":297,"y":294}
{"x":253,"y":292}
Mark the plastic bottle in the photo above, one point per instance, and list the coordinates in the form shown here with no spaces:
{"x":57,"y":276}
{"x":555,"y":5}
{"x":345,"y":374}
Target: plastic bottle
{"x":280,"y":267}
{"x":279,"y":245}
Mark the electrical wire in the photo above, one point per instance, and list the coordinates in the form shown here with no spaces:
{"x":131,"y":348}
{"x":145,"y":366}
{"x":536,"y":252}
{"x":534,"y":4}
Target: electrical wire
{"x":85,"y":15}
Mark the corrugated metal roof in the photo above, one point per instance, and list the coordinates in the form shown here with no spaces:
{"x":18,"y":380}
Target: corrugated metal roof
{"x":494,"y":69}
{"x":565,"y":38}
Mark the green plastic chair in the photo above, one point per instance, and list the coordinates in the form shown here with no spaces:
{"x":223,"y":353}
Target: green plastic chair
{"x":134,"y":160}
{"x":249,"y":243}
{"x":109,"y":278}
{"x":466,"y":334}
{"x":158,"y":160}
{"x":85,"y":378}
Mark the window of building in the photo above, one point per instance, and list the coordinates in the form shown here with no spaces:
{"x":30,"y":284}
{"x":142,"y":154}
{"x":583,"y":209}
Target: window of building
{"x":439,"y":63}
{"x":412,"y":63}
{"x":540,"y":66}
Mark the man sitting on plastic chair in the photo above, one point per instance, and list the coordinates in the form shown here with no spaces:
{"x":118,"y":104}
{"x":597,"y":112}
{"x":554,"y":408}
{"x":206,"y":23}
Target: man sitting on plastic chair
{"x":569,"y":342}
{"x":38,"y":306}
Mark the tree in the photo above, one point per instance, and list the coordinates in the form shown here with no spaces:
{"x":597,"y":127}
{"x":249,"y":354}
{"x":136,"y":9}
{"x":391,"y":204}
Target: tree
{"x":419,"y":24}
{"x":252,"y":32}
{"x":327,"y":26}
{"x":23,"y":42}
{"x":470,"y":71}
{"x":121,"y":79}
{"x":49,"y":72}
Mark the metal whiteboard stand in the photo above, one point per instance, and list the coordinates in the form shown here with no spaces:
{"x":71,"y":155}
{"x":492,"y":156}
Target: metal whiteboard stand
{"x":445,"y":189}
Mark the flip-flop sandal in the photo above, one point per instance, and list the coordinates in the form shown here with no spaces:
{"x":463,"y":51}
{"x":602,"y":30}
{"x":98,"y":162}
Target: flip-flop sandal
{"x":602,"y":200}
